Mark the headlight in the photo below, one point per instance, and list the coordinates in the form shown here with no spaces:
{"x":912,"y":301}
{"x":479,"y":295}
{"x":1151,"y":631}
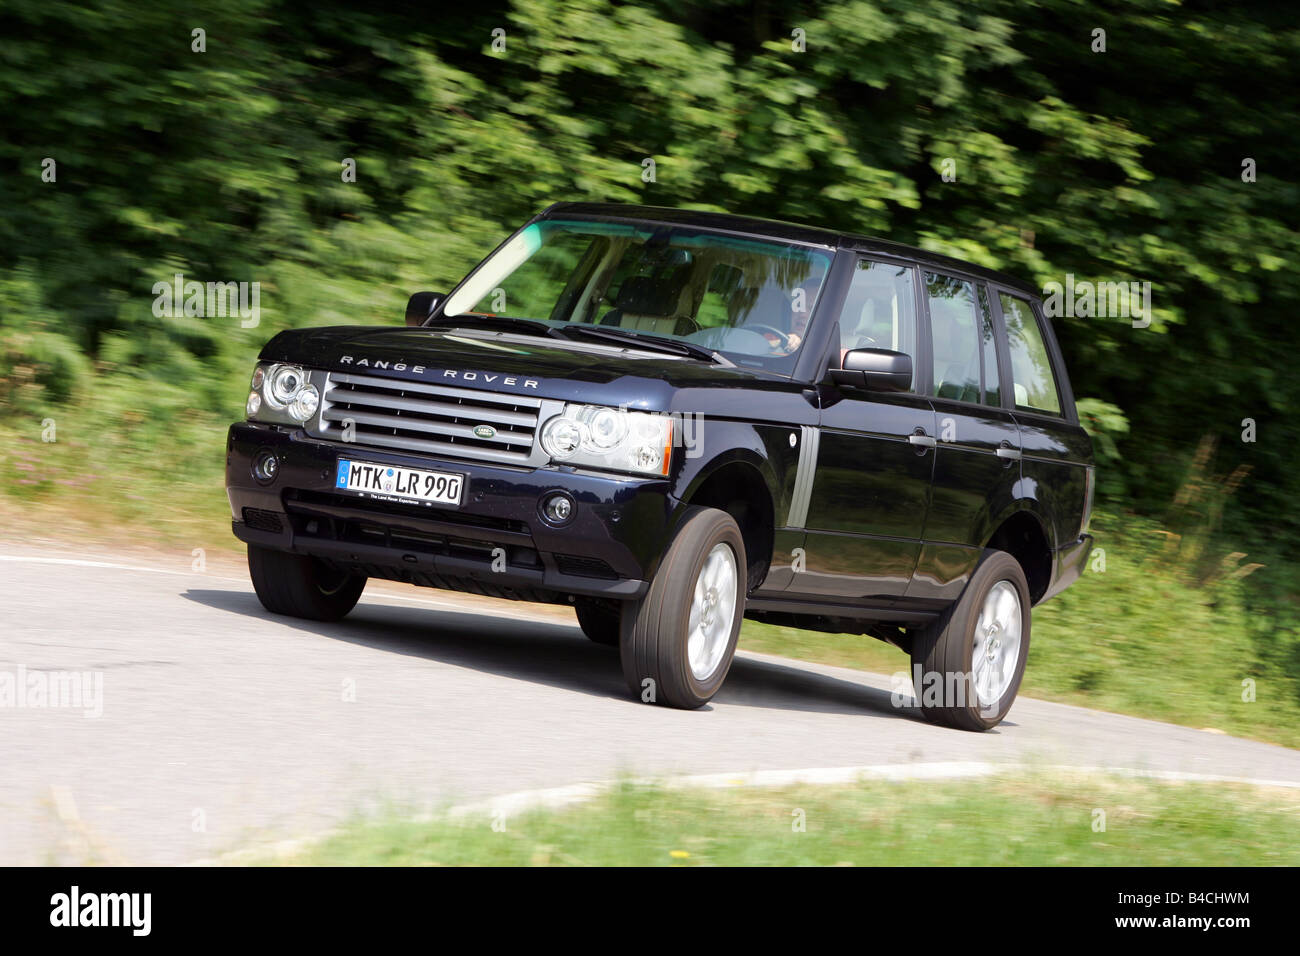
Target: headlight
{"x":305,"y":402}
{"x":612,"y":438}
{"x":281,"y":394}
{"x":282,"y":384}
{"x":562,"y":437}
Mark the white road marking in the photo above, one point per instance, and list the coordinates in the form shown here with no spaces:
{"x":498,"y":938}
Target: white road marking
{"x":557,"y":797}
{"x":82,"y":563}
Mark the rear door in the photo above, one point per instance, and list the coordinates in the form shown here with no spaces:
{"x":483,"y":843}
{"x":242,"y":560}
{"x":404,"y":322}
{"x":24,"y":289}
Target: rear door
{"x":1056,"y":448}
{"x":868,"y":500}
{"x":977,"y":460}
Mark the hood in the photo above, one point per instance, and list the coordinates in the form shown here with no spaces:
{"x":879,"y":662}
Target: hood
{"x":512,"y":362}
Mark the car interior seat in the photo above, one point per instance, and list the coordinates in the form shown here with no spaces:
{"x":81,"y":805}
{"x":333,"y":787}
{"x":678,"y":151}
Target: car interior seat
{"x":956,"y":350}
{"x":652,"y":304}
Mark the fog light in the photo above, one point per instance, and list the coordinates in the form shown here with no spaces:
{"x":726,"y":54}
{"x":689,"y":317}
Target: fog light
{"x":557,"y":508}
{"x":265,"y":467}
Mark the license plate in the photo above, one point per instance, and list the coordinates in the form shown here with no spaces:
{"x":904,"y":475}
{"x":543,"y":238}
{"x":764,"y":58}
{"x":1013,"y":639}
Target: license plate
{"x":394,"y":482}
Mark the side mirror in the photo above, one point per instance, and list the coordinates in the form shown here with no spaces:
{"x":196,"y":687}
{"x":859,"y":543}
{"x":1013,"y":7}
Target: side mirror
{"x":422,"y":305}
{"x":881,"y":370}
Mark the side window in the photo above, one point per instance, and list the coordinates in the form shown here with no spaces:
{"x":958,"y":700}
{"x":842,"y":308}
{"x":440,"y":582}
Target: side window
{"x":1031,"y":369}
{"x":880,"y":309}
{"x":957,"y":333}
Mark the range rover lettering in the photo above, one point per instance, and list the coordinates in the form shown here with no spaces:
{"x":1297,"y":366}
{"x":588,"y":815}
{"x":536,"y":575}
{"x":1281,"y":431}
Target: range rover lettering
{"x":674,"y":420}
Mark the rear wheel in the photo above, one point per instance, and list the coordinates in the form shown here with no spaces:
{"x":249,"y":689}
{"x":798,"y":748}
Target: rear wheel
{"x":678,"y":640}
{"x":302,"y":586}
{"x":967,"y":666}
{"x":598,"y":619}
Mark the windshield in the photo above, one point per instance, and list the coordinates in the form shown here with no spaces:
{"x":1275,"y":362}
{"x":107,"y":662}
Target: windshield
{"x":747,"y":299}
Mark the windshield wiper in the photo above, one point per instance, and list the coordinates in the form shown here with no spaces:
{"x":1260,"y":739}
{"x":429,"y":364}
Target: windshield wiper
{"x":651,"y":342}
{"x":503,"y":322}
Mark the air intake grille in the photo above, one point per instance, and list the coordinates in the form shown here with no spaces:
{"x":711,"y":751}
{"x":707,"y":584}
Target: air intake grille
{"x":435,"y":419}
{"x":584,"y":567}
{"x":261,"y":520}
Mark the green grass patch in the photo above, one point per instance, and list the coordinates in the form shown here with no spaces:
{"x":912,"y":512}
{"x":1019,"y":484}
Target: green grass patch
{"x":1002,"y":821}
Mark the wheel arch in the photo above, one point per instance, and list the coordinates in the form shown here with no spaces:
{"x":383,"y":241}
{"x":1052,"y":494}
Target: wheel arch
{"x":740,"y":483}
{"x":1023,"y":536}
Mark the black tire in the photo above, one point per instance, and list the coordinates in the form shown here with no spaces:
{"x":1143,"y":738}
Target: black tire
{"x":302,"y":586}
{"x":945,"y":651}
{"x":599,"y":620}
{"x":653,"y":643}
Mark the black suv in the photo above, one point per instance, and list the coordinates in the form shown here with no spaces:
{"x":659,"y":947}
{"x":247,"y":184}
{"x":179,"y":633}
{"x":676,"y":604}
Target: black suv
{"x":673,"y":420}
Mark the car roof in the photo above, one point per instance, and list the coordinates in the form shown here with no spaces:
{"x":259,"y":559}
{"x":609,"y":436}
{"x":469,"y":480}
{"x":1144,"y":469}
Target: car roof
{"x":776,"y":229}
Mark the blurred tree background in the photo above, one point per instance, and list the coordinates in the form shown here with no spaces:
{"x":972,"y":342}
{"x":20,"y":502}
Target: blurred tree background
{"x":225,"y":165}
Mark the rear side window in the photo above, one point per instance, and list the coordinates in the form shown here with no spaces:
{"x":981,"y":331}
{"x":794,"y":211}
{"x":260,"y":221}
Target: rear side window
{"x":965,"y":351}
{"x":880,"y":309}
{"x":1031,"y":369}
{"x":956,"y":331}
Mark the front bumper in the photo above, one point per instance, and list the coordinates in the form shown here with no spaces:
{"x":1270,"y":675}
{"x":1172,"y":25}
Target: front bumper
{"x":496,"y":542}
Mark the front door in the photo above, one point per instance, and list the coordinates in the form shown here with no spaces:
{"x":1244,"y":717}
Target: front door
{"x":871,"y":488}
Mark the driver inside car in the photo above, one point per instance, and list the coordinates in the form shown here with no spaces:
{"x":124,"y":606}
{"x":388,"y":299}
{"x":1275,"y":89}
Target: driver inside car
{"x":780,"y":318}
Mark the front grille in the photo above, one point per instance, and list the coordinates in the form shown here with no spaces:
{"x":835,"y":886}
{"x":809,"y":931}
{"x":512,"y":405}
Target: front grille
{"x":438,"y":419}
{"x":261,"y":520}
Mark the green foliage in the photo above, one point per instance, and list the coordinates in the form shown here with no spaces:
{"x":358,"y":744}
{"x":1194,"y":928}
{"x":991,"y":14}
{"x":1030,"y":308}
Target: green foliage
{"x":1107,"y":425}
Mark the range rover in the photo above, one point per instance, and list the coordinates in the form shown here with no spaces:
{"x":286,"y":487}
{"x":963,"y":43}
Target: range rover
{"x":674,"y":420}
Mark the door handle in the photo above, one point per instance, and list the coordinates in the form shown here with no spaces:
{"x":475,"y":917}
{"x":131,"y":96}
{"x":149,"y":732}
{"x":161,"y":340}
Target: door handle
{"x":1006,"y":451}
{"x":919,"y":437}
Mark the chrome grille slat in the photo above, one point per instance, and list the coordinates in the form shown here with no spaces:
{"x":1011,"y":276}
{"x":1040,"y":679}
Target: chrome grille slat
{"x":434,"y":419}
{"x":400,"y":385}
{"x":380,"y":400}
{"x":440,"y":448}
{"x":410,"y":423}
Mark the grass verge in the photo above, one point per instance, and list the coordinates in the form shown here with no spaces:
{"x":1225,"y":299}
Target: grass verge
{"x":1043,"y":820}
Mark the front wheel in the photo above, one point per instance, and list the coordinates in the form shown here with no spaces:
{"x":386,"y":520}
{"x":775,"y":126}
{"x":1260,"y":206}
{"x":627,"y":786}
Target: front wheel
{"x":677,"y":642}
{"x":967,"y":666}
{"x":302,"y":586}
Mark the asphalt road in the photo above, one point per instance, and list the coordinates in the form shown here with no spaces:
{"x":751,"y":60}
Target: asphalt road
{"x":223,"y":726}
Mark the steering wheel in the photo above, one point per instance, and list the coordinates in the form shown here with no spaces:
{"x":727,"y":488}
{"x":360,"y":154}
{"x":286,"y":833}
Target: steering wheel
{"x":759,"y":327}
{"x":694,"y":325}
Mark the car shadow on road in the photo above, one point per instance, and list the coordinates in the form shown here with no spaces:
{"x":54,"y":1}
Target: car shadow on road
{"x":554,"y":654}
